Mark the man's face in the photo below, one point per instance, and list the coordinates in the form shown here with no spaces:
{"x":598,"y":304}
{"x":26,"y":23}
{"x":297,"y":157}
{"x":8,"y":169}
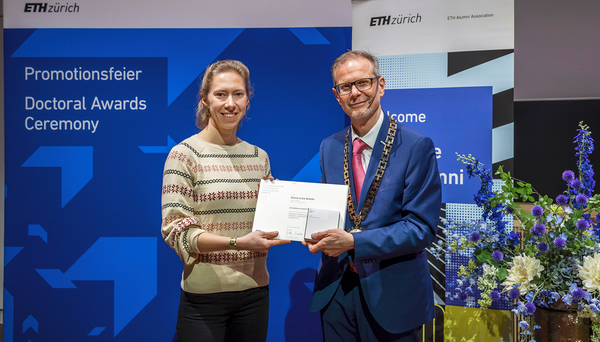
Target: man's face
{"x":356,"y":104}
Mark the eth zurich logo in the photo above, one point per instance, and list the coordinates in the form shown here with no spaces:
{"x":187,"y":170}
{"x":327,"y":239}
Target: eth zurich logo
{"x":57,"y":7}
{"x":400,"y":19}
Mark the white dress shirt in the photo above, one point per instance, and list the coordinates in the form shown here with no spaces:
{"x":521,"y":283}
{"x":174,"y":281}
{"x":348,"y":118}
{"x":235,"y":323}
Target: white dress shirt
{"x":369,"y":139}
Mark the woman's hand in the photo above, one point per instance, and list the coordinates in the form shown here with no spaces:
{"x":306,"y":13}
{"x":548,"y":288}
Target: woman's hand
{"x":265,"y":177}
{"x":259,"y":241}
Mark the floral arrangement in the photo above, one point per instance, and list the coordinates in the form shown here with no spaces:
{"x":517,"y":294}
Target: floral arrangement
{"x":552,"y":257}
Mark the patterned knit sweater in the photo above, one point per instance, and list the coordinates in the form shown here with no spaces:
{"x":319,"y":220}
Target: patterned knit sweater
{"x":213,"y":188}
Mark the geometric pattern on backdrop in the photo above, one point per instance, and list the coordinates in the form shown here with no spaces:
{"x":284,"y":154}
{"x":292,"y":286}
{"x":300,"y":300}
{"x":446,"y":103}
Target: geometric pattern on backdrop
{"x":432,"y":71}
{"x":76,"y":163}
{"x":112,"y":259}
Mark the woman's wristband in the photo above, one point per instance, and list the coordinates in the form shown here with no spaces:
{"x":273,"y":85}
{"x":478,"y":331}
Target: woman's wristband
{"x":233,"y":243}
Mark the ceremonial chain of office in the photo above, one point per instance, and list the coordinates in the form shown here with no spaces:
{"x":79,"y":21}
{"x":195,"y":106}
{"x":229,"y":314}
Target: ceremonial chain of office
{"x":357,"y":219}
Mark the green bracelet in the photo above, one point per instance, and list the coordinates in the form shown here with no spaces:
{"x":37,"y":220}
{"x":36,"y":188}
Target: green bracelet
{"x":233,"y":243}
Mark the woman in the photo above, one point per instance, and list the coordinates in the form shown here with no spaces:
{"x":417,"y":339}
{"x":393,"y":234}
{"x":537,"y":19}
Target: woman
{"x":210,"y":188}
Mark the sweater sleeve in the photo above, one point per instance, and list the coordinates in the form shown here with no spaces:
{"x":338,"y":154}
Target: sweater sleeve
{"x":180,"y":228}
{"x":267,"y":165}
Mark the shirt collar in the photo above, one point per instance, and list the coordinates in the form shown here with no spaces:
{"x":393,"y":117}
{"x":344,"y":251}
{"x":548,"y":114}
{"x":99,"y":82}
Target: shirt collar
{"x":371,"y":136}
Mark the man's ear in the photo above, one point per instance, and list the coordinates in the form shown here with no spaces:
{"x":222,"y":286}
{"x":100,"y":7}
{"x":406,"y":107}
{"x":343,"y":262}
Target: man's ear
{"x":337,"y":96}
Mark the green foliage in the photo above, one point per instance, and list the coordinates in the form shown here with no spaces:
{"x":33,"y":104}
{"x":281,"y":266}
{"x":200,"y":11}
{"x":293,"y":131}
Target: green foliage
{"x":483,"y":255}
{"x":502,"y":274}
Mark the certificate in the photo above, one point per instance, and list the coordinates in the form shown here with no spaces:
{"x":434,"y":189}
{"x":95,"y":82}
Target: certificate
{"x":298,"y":209}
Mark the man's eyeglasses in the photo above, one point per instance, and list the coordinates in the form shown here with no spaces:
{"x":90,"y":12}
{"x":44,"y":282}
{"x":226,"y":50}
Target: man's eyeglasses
{"x":363,"y":84}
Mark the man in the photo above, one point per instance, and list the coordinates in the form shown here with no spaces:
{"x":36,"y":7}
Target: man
{"x":373,"y":281}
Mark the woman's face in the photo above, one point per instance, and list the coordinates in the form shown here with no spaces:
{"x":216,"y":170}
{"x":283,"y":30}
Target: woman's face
{"x":226,"y":101}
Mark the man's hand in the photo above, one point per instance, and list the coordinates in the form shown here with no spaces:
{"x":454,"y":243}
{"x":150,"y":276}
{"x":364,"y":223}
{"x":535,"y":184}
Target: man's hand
{"x":332,"y":242}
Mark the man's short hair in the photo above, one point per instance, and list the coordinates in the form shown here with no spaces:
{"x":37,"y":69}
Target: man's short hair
{"x":356,"y":54}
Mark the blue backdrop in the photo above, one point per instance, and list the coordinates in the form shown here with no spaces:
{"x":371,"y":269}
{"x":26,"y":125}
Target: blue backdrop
{"x":84,"y":257}
{"x":458,"y":119}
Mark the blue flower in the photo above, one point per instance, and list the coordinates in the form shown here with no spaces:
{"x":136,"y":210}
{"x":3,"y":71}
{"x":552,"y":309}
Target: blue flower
{"x":582,"y":224}
{"x":529,"y":297}
{"x":581,"y":199}
{"x":475,"y":236}
{"x":568,"y":176}
{"x":530,"y":307}
{"x":537,"y":211}
{"x":523,"y":325}
{"x":578,"y":294}
{"x":585,"y":146}
{"x":521,"y":307}
{"x":497,"y":256}
{"x":559,"y":219}
{"x":494,"y":295}
{"x":543,"y":247}
{"x":559,"y":243}
{"x":514,"y":294}
{"x":567,"y":299}
{"x":538,"y":230}
{"x":514,"y":237}
{"x":562,"y":199}
{"x":576,"y":184}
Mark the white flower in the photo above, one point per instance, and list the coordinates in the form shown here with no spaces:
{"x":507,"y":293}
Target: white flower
{"x":590,"y":272}
{"x":522,"y":271}
{"x":489,"y":270}
{"x":485,"y":283}
{"x":487,"y":280}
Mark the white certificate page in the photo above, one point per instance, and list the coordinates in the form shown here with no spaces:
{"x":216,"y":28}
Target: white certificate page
{"x":284,"y":206}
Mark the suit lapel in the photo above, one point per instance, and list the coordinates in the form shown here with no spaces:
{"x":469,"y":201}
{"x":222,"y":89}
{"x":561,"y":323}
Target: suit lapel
{"x":350,"y":169}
